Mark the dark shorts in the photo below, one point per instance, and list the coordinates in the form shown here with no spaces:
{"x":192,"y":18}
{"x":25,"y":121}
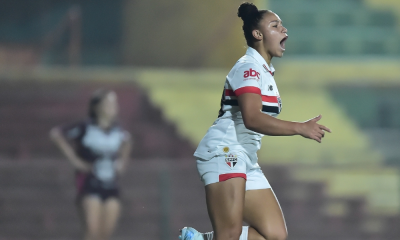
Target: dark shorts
{"x":87,"y":185}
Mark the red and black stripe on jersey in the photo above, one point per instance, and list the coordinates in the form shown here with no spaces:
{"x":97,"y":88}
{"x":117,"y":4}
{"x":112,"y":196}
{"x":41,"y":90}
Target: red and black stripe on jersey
{"x":234,"y":102}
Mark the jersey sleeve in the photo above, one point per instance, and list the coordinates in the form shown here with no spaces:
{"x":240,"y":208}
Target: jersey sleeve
{"x":246,"y":79}
{"x":73,"y":131}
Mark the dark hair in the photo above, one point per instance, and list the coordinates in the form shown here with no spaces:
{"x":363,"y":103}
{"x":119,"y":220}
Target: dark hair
{"x":251,"y":17}
{"x":95,"y":100}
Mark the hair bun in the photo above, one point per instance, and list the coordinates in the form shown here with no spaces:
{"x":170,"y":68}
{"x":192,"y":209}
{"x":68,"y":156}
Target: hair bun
{"x":247,"y":11}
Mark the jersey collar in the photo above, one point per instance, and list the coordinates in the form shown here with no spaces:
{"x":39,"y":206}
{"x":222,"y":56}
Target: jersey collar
{"x":257,"y":56}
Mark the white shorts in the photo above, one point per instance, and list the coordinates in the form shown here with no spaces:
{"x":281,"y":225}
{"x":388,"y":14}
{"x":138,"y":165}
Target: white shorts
{"x":226,"y":166}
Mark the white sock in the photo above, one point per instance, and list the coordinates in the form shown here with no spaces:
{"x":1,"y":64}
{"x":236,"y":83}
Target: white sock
{"x":245,"y":233}
{"x":208,"y":235}
{"x":243,"y":236}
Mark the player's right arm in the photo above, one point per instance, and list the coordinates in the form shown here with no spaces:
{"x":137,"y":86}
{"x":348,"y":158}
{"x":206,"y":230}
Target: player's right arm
{"x":251,"y":104}
{"x":58,"y":137}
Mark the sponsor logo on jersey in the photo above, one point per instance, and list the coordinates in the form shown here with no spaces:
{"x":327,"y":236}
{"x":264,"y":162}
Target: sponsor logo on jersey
{"x":231,"y":160}
{"x":251,"y":73}
{"x":270,"y":88}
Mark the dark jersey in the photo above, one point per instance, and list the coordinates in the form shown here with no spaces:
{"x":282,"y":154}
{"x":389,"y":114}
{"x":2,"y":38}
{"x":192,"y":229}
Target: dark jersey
{"x":98,"y":147}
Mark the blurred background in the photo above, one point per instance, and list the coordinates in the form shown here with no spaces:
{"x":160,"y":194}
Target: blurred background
{"x":167,"y":61}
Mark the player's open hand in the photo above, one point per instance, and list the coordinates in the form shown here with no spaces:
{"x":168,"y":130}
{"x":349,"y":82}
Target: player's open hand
{"x":312,"y":130}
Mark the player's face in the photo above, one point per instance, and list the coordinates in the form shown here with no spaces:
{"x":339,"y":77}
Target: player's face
{"x":274,"y":34}
{"x":108,"y":108}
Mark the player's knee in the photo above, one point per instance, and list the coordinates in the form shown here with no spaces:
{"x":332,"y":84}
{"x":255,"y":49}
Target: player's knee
{"x":231,"y":233}
{"x":234,"y":233}
{"x":277,"y":235}
{"x":272,"y":232}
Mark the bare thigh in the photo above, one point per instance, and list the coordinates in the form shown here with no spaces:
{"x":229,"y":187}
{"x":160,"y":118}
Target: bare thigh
{"x":92,"y":208}
{"x":263,"y":213}
{"x":225,"y":201}
{"x":111,"y":211}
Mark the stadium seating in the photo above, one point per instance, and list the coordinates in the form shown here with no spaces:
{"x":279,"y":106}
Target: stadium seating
{"x":343,"y":27}
{"x":29,"y":109}
{"x":159,"y":197}
{"x":316,"y":190}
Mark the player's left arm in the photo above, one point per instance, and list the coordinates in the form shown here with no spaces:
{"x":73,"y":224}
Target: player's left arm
{"x":254,"y":119}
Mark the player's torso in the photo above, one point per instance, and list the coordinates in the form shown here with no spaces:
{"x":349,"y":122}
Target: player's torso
{"x":249,"y":75}
{"x":101,"y":148}
{"x":254,"y":71}
{"x":100,"y":142}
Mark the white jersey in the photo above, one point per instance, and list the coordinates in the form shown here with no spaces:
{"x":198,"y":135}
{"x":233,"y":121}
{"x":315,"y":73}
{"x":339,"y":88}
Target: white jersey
{"x":251,"y":74}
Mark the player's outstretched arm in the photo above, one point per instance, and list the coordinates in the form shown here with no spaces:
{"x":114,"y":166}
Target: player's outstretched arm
{"x":251,"y":104}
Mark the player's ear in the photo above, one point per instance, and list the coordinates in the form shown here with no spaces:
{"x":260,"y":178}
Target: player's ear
{"x":257,"y":34}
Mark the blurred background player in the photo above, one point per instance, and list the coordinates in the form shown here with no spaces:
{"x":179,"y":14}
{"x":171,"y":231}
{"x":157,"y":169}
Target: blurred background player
{"x":99,"y":149}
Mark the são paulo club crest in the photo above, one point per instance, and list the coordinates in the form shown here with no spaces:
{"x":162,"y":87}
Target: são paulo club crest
{"x":231,"y":160}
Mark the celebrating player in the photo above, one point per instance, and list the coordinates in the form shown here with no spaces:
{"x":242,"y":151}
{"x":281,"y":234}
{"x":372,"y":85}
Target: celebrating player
{"x":99,"y":150}
{"x":236,"y":188}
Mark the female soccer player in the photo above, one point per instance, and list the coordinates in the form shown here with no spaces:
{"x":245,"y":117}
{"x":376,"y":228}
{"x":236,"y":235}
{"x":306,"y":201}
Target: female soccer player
{"x":99,"y":150}
{"x":236,"y":188}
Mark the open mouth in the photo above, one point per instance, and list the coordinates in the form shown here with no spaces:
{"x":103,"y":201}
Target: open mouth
{"x":283,"y":42}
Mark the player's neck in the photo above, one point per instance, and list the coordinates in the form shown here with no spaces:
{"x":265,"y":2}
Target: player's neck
{"x":104,"y":123}
{"x":264,"y":53}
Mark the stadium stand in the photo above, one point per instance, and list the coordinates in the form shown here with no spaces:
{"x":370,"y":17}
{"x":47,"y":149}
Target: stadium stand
{"x":332,"y":188}
{"x":29,"y":109}
{"x":38,"y":196}
{"x":343,"y":27}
